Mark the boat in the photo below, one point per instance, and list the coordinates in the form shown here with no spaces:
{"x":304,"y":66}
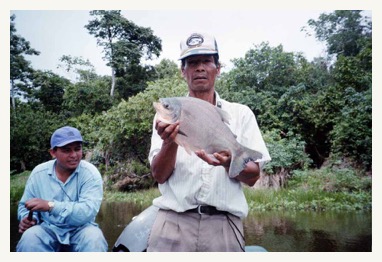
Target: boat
{"x":135,"y":235}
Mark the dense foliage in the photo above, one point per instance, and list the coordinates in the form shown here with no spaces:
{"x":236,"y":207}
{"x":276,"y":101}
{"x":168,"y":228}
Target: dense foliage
{"x":30,"y":135}
{"x":311,"y":113}
{"x":129,"y":124}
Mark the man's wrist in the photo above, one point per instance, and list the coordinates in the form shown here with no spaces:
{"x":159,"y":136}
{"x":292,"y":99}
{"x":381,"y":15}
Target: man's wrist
{"x":51,"y":205}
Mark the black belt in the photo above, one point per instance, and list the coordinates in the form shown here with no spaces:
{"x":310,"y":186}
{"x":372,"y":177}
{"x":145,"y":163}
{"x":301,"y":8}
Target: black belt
{"x":209,"y":210}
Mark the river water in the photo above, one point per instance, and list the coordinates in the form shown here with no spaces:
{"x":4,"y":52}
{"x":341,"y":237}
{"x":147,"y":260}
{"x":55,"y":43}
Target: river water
{"x":275,"y":231}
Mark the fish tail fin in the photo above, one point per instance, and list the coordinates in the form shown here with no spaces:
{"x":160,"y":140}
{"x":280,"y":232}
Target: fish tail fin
{"x":239,"y":160}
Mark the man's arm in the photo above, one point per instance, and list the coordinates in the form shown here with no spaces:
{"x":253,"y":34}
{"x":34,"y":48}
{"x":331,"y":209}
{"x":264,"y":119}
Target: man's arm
{"x":163,"y":163}
{"x":250,"y":174}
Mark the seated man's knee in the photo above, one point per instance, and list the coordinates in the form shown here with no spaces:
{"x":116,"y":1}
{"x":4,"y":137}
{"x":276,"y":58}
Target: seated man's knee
{"x":35,"y":239}
{"x":91,"y":239}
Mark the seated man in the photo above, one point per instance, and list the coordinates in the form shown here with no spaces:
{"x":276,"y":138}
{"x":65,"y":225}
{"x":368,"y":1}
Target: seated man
{"x":61,"y":200}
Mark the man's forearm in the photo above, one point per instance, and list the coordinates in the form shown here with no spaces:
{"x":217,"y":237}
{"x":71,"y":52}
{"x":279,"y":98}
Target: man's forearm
{"x":163,"y":163}
{"x":250,"y":174}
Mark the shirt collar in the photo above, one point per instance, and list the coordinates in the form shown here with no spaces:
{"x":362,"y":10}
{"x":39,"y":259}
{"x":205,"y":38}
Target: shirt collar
{"x":218,"y":102}
{"x":53,"y":169}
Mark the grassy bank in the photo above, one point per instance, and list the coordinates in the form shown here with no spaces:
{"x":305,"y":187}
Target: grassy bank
{"x":313,"y":190}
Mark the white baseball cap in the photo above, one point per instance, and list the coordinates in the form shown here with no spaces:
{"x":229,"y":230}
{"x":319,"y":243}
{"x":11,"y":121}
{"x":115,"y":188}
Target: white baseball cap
{"x":198,"y":44}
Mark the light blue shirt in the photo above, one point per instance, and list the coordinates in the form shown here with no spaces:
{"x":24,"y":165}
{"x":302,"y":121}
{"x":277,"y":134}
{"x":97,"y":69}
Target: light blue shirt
{"x":194,"y":182}
{"x":76,"y":202}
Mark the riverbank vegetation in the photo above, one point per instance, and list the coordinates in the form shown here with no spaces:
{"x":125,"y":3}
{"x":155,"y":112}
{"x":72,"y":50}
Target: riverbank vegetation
{"x":315,"y":190}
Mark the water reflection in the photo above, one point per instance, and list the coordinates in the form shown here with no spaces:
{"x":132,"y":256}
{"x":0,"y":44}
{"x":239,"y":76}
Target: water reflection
{"x":275,"y":231}
{"x":310,"y":231}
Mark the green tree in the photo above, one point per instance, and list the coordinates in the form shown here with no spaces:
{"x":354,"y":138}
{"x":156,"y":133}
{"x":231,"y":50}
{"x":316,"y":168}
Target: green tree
{"x":312,"y":99}
{"x":136,"y":77}
{"x":49,"y":89}
{"x":30,"y":135}
{"x":352,"y":134}
{"x":166,"y":68}
{"x":20,"y":69}
{"x":264,"y":75}
{"x":354,"y":71}
{"x":344,"y":31}
{"x":348,"y":35}
{"x":287,"y":151}
{"x":88,"y":97}
{"x":83,"y":69}
{"x":266,"y":68}
{"x":124,"y":131}
{"x":124,"y":42}
{"x":311,"y":114}
{"x":133,"y":79}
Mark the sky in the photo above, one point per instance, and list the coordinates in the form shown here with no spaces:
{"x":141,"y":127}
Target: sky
{"x":58,"y":33}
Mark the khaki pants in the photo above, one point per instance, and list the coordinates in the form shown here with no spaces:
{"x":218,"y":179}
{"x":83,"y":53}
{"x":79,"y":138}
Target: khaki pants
{"x":192,"y":232}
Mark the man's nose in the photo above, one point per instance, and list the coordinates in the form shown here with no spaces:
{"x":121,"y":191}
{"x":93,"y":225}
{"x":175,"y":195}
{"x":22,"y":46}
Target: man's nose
{"x":200,"y":66}
{"x":72,"y":153}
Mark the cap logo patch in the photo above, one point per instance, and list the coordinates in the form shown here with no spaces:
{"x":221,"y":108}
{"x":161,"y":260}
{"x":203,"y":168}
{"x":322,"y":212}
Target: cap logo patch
{"x":194,"y":40}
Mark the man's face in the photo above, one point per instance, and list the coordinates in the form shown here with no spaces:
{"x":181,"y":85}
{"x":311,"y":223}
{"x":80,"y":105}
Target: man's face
{"x":200,"y":72}
{"x":69,"y":156}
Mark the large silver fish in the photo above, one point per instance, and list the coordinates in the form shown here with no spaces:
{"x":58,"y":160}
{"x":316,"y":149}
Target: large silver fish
{"x":202,"y":126}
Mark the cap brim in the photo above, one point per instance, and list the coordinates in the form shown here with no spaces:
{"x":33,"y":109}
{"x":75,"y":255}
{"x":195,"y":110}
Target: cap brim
{"x":198,"y":52}
{"x":67,"y":142}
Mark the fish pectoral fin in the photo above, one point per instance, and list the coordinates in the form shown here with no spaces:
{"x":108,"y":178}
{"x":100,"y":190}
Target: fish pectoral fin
{"x":180,"y":132}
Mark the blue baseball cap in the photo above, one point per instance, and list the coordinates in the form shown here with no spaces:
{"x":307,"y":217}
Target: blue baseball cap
{"x":65,"y":135}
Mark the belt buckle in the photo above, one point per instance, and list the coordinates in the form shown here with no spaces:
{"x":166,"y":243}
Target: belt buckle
{"x":199,"y":210}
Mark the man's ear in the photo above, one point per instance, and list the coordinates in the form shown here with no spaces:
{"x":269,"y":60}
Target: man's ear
{"x":52,"y":153}
{"x":218,"y":69}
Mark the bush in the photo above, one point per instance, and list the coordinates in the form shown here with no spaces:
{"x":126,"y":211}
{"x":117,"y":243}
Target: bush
{"x":128,"y":130}
{"x":330,"y":180}
{"x":286,"y":150}
{"x":30,"y":130}
{"x":316,"y":190}
{"x":352,"y":134}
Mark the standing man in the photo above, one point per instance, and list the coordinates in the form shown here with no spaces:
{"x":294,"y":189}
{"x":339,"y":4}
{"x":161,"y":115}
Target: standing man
{"x":201,"y":208}
{"x":64,"y":195}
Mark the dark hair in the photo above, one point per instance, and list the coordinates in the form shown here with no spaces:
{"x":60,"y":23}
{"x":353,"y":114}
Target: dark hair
{"x":215,"y":56}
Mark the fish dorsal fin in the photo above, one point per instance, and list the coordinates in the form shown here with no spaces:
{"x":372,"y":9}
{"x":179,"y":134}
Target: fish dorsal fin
{"x":225,"y":117}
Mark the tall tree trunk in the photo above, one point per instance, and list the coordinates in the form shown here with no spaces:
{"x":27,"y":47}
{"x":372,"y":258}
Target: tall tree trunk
{"x":13,"y":94}
{"x":112,"y":82}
